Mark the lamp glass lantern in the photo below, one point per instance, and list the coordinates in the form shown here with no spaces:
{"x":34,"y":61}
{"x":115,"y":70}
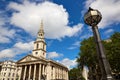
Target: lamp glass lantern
{"x":92,"y":17}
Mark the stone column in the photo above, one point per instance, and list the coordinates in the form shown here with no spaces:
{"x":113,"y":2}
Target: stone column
{"x":34,"y":72}
{"x":20,"y":73}
{"x":29,"y":72}
{"x":48,"y":72}
{"x":56,"y":72}
{"x":53,"y":72}
{"x":60,"y":73}
{"x":67,"y":75}
{"x":63,"y":73}
{"x":39,"y":78}
{"x":43,"y":70}
{"x":24,"y":75}
{"x":15,"y":74}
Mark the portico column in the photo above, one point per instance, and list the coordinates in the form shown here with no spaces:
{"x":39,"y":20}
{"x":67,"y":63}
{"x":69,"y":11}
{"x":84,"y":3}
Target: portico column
{"x":29,"y":72}
{"x":43,"y":70}
{"x":39,"y":72}
{"x":15,"y":73}
{"x":60,"y":73}
{"x":56,"y":72}
{"x":67,"y":75}
{"x":20,"y":74}
{"x":53,"y":72}
{"x":24,"y":75}
{"x":34,"y":72}
{"x":64,"y":73}
{"x":48,"y":72}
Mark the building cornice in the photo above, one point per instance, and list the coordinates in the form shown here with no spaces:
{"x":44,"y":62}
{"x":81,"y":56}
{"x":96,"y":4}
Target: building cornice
{"x":40,"y":41}
{"x":39,"y":49}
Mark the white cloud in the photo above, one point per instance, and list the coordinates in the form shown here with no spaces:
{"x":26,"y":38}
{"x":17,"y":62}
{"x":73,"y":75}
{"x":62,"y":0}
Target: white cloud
{"x":55,"y":17}
{"x":18,"y":48}
{"x":75,"y":45}
{"x":49,"y":43}
{"x":110,"y":10}
{"x":69,"y":63}
{"x":5,"y":33}
{"x":72,"y":47}
{"x":24,"y":46}
{"x":109,"y":31}
{"x":54,"y":55}
{"x":85,"y":36}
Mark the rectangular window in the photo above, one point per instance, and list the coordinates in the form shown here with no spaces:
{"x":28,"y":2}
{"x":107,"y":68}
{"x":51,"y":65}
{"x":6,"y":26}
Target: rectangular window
{"x":13,"y":74}
{"x":43,"y":46}
{"x":4,"y":74}
{"x":37,"y":45}
{"x":9,"y":74}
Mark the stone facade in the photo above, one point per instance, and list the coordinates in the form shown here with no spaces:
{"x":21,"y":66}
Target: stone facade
{"x":8,"y":70}
{"x":36,"y":68}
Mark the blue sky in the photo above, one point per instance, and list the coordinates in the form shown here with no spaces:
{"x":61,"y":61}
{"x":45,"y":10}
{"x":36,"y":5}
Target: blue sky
{"x":63,"y":24}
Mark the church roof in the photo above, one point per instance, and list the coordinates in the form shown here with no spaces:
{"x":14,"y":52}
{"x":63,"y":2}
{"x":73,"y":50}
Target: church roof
{"x":30,"y":58}
{"x":57,"y":63}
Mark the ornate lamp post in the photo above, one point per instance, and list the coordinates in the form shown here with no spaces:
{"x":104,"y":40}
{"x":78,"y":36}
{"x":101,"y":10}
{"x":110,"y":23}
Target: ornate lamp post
{"x":92,"y":18}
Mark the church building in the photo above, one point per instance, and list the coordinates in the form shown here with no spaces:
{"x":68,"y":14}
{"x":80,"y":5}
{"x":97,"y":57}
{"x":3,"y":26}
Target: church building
{"x":37,"y":67}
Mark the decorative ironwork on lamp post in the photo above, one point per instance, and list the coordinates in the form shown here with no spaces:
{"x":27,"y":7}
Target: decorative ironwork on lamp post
{"x":92,"y":18}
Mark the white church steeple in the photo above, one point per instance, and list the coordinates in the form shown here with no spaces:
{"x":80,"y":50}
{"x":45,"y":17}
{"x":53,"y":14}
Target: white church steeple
{"x":40,"y":45}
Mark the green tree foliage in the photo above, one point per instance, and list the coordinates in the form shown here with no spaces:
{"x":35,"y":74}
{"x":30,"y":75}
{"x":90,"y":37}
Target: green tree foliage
{"x":75,"y":74}
{"x":113,"y":52}
{"x":88,"y":55}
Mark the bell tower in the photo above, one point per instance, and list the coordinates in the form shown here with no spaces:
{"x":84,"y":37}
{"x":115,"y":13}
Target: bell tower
{"x":40,"y":45}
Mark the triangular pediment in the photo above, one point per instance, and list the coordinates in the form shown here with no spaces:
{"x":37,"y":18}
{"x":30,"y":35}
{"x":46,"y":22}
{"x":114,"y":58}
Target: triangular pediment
{"x":28,"y":58}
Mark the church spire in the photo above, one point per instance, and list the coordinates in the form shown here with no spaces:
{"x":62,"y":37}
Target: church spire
{"x":40,"y":45}
{"x":40,"y":35}
{"x":41,"y":27}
